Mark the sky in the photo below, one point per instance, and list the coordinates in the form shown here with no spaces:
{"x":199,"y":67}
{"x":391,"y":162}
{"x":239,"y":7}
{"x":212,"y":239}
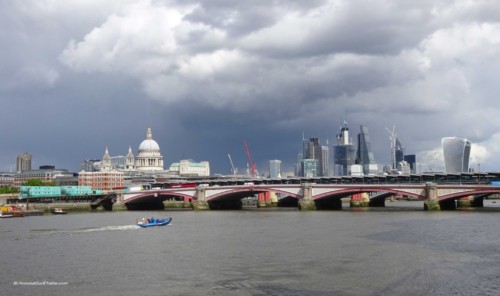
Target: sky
{"x":79,"y":76}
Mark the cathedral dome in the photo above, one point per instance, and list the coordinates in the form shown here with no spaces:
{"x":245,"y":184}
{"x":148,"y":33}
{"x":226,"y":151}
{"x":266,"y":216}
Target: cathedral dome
{"x":149,"y":145}
{"x":149,"y":157}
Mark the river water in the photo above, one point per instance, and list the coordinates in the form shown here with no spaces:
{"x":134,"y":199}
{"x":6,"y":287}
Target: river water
{"x":398,"y":250}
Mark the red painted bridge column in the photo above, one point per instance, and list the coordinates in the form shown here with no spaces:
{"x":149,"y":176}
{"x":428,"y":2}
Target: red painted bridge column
{"x":359,"y":200}
{"x":261,"y":200}
{"x":186,"y":203}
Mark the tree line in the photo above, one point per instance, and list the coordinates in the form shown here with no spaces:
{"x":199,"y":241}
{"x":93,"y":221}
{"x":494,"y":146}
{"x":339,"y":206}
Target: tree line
{"x":30,"y":182}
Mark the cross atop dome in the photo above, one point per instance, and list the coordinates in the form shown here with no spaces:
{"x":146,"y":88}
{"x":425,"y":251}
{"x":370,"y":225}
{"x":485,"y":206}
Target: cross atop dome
{"x":149,"y":134}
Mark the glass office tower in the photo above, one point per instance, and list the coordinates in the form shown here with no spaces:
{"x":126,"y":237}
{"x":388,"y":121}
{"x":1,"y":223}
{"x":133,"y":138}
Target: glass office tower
{"x":456,"y":152}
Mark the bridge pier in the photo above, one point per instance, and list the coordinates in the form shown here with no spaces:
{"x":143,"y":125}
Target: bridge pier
{"x":106,"y":202}
{"x":261,"y":200}
{"x":267,"y":200}
{"x":186,"y":203}
{"x":307,"y":203}
{"x":200,"y":203}
{"x":431,"y":203}
{"x":360,"y":200}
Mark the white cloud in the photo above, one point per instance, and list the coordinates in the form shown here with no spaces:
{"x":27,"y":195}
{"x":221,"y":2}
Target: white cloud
{"x":429,"y":66}
{"x":206,"y":65}
{"x":138,"y":42}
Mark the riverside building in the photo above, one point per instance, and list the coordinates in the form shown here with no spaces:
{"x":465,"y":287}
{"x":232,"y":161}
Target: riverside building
{"x":105,"y":180}
{"x":188,"y":168}
{"x":45,"y":173}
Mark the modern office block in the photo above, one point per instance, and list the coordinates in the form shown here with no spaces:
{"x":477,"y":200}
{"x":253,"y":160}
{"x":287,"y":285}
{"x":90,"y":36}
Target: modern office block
{"x":364,"y":155}
{"x":275,"y":168}
{"x":344,"y":153}
{"x":456,"y":152}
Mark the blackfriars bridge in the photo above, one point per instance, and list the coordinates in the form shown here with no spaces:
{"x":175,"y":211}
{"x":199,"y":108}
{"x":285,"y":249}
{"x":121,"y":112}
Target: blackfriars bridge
{"x":314,"y":196}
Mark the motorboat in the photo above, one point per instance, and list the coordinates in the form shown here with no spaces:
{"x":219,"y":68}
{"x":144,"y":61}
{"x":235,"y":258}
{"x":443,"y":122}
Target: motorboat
{"x":150,"y":222}
{"x":2,"y":215}
{"x":59,"y":211}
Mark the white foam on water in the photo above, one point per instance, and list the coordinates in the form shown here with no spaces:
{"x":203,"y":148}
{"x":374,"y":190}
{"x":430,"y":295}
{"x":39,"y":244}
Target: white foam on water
{"x":107,"y":228}
{"x":88,"y":230}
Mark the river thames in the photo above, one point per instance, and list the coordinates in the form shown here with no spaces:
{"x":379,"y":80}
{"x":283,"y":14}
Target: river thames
{"x":399,"y":250}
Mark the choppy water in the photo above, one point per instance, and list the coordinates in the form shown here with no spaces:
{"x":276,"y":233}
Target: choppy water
{"x":373,"y":252}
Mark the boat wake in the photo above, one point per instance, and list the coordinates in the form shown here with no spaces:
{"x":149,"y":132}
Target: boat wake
{"x":88,"y":230}
{"x":107,"y":228}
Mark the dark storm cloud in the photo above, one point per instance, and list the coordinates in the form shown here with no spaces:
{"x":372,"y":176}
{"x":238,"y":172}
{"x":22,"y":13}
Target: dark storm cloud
{"x":358,"y":27}
{"x":207,"y":74}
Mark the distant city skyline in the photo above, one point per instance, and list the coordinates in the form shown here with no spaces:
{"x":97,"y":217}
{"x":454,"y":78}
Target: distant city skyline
{"x":79,"y":76}
{"x":310,"y":148}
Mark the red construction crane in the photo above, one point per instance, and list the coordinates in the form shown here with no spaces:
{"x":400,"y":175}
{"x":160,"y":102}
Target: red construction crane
{"x":250,"y":162}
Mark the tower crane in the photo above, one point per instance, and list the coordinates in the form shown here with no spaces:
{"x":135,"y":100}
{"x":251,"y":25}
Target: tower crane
{"x":250,"y":162}
{"x":233,"y":170}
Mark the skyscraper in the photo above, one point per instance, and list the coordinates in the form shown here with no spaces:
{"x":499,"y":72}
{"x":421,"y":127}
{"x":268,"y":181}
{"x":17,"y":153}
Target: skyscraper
{"x":411,"y":159}
{"x":456,"y":152}
{"x":344,"y":153}
{"x":309,"y":168}
{"x":399,"y":152}
{"x":325,"y":157}
{"x":275,"y":168}
{"x":23,"y":162}
{"x":312,"y":150}
{"x":364,"y":155}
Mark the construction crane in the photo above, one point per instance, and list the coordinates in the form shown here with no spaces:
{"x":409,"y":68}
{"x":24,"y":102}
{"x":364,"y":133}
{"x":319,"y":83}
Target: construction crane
{"x":233,"y":170}
{"x":250,"y":162}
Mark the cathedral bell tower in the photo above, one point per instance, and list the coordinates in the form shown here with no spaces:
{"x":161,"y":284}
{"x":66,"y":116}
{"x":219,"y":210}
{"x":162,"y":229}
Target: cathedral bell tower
{"x":130,"y":161}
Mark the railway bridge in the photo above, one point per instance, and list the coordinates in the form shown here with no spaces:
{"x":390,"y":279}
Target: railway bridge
{"x":312,"y":196}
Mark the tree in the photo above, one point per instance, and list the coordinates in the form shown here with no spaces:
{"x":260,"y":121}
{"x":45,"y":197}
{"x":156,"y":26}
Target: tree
{"x":8,"y":189}
{"x":38,"y":182}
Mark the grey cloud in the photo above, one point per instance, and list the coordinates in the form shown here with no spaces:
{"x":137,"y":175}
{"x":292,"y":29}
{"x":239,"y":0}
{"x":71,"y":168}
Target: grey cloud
{"x":205,"y":75}
{"x":239,"y":18}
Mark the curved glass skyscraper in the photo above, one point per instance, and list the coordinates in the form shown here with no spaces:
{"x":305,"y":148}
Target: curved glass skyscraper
{"x":456,"y":153}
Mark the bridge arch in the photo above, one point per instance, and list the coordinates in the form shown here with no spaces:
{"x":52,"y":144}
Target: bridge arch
{"x":238,"y":193}
{"x":457,"y":195}
{"x":345,"y":192}
{"x":156,"y":196}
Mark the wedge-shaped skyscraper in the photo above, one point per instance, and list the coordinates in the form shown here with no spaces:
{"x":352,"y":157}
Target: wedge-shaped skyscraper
{"x":456,"y":153}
